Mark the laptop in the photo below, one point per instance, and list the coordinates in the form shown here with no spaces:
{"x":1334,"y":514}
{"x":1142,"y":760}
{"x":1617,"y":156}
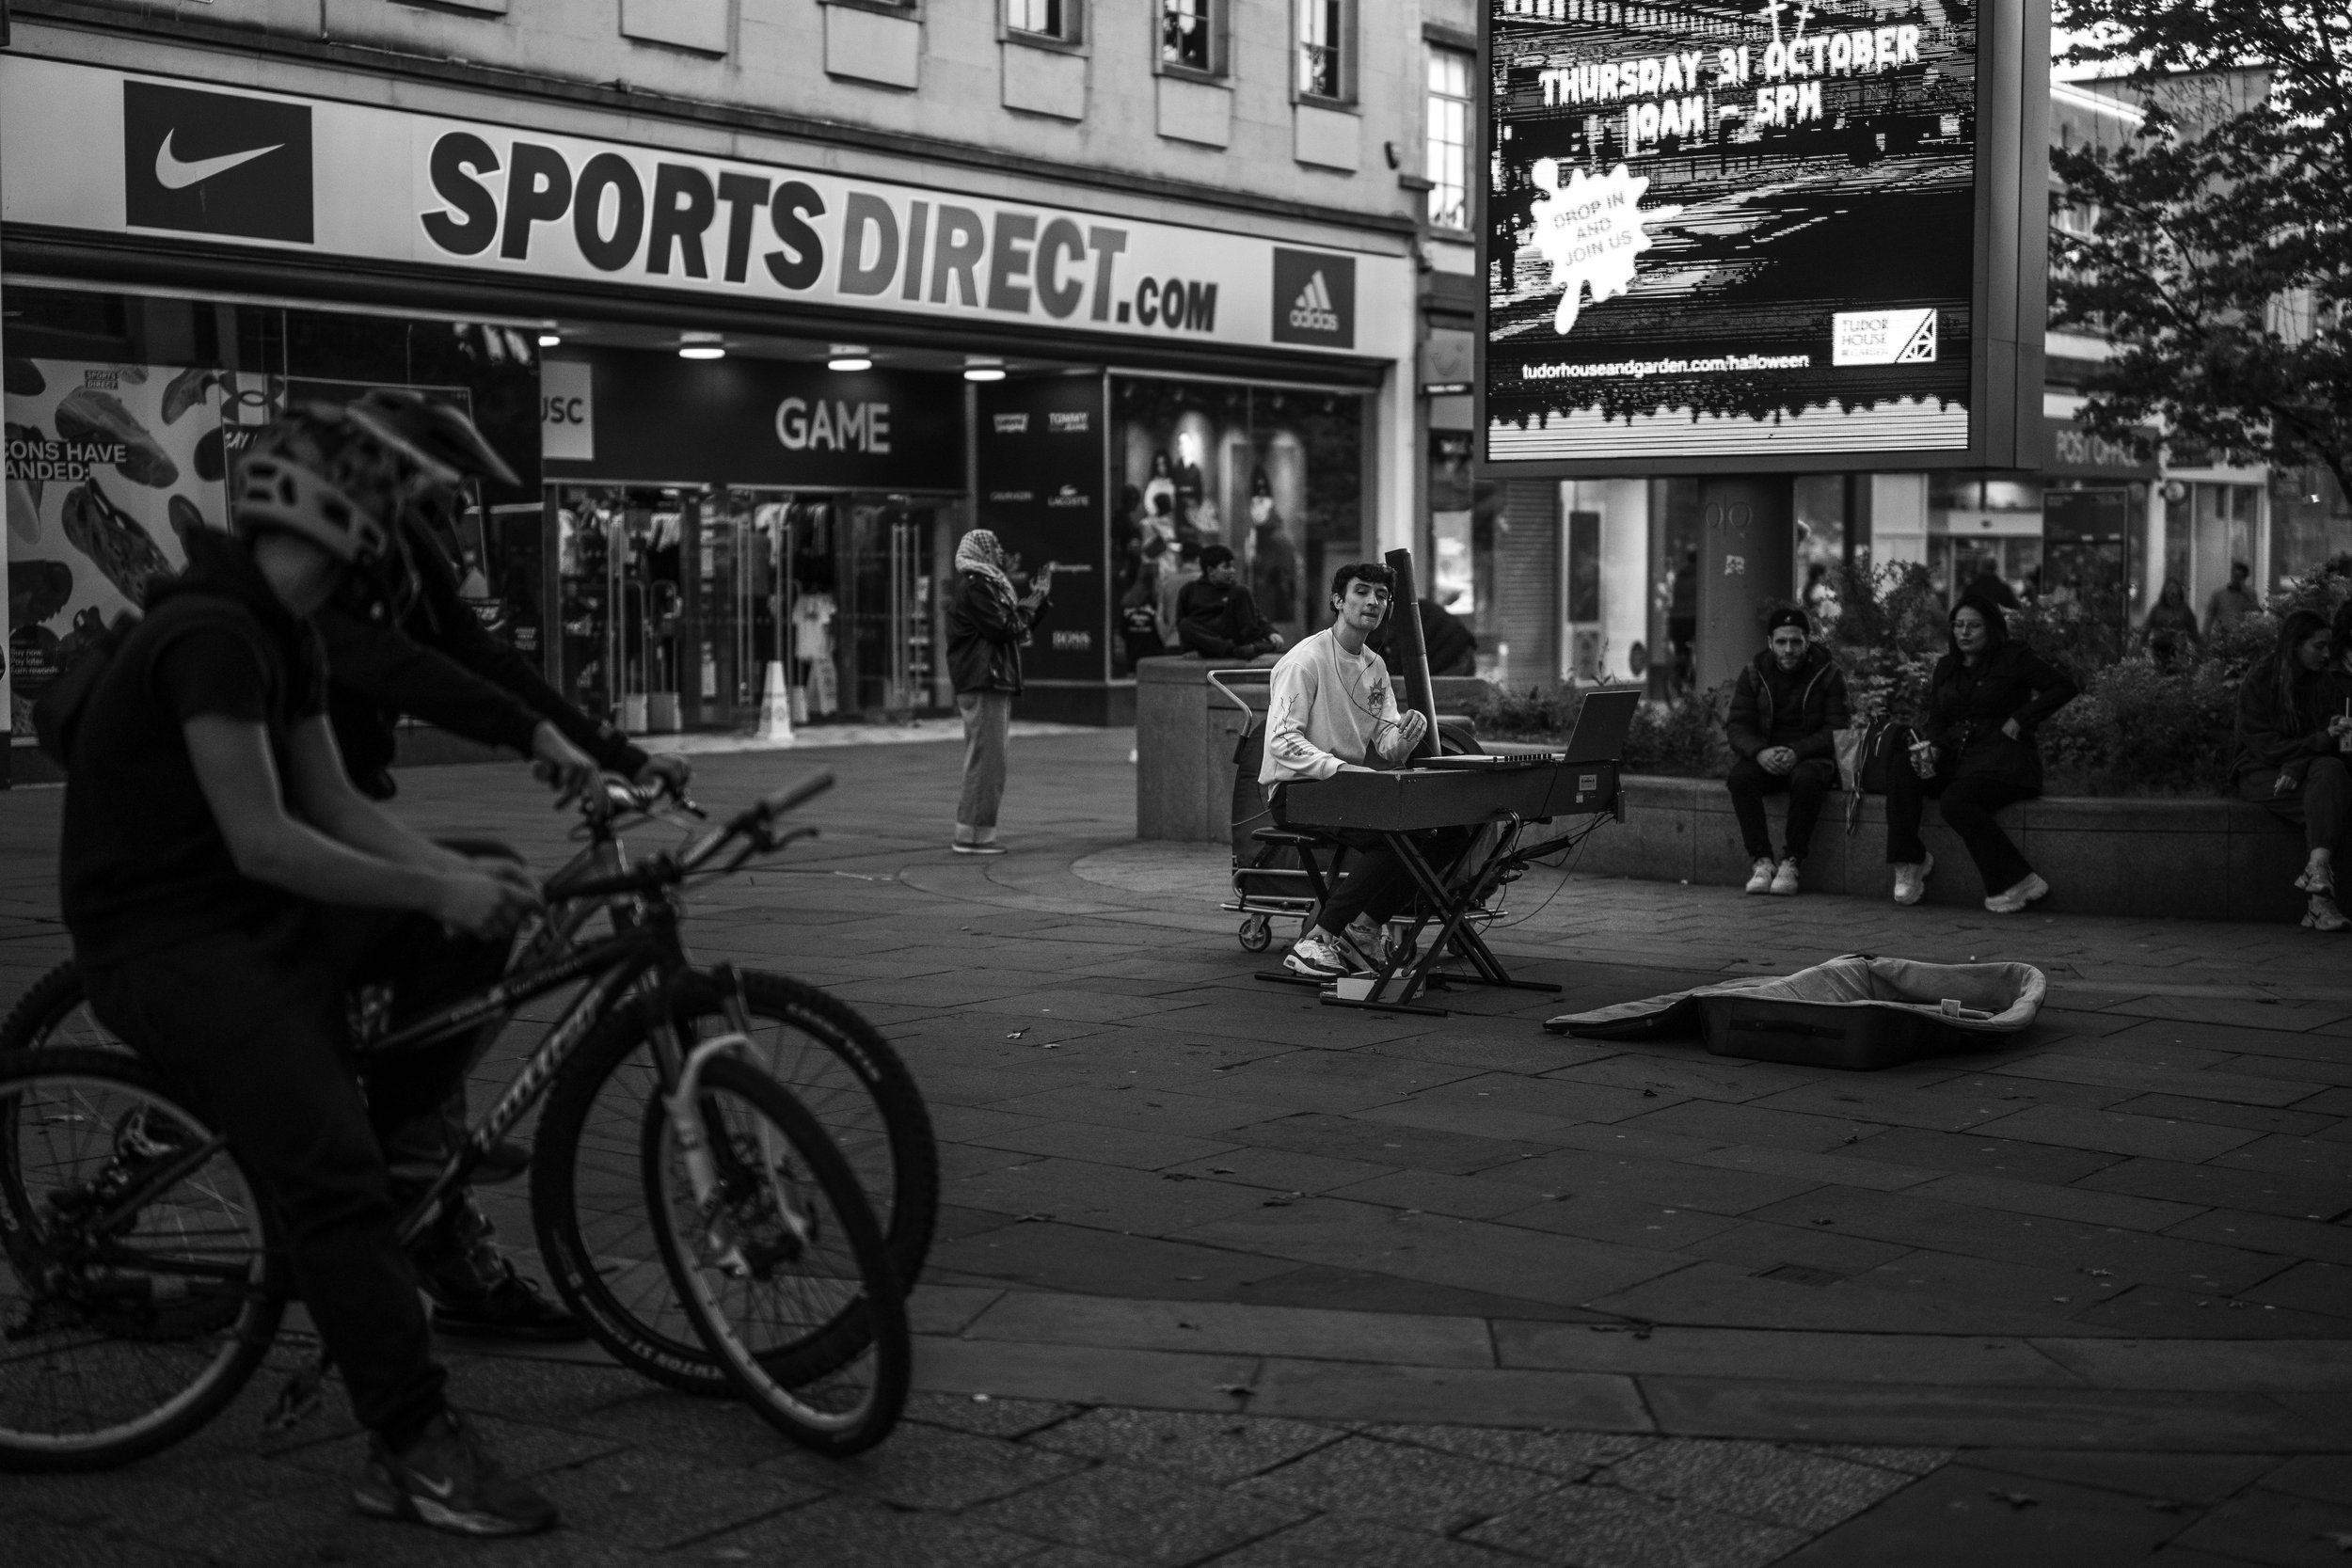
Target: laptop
{"x":1601,"y":725}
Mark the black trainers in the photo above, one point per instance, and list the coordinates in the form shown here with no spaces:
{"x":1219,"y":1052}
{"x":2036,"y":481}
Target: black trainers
{"x":446,"y":1480}
{"x":474,"y":1289}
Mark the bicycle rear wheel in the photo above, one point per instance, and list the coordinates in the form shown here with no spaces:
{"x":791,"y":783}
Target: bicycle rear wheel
{"x":138,"y":1289}
{"x":595,"y":1237}
{"x":55,"y":1010}
{"x":782,"y":1267}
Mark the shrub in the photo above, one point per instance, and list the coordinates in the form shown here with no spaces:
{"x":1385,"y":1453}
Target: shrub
{"x":1681,"y":735}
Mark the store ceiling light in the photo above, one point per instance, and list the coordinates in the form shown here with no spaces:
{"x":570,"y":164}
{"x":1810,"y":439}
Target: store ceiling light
{"x":701,"y":351}
{"x":849,"y":362}
{"x":977,"y":369}
{"x":548,"y":340}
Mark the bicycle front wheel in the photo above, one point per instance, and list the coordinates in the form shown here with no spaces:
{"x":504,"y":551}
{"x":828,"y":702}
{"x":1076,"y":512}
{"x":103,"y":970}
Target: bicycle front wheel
{"x":587,"y":1198}
{"x":137,"y":1286}
{"x":780,"y":1262}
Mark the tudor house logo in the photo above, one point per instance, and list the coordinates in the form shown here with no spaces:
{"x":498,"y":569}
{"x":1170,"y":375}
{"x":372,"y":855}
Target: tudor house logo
{"x":1314,"y":298}
{"x":216,"y":162}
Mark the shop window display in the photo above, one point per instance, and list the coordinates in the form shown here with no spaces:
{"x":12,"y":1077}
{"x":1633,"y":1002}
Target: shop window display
{"x":125,"y":414}
{"x":1275,"y":474}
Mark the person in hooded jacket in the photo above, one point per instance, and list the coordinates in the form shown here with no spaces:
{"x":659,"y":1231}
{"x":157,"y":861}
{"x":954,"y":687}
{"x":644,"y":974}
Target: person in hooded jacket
{"x":1786,"y":711}
{"x":2293,"y":728}
{"x":1974,"y":752}
{"x":987,"y":622}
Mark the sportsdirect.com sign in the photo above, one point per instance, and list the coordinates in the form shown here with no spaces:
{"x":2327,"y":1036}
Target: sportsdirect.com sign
{"x":356,"y":181}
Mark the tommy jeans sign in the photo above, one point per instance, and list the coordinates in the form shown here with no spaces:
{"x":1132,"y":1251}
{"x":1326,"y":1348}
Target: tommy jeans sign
{"x":359,"y":180}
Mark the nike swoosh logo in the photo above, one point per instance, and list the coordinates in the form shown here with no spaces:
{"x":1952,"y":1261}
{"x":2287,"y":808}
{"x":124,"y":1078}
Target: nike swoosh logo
{"x":441,"y":1489}
{"x":175,"y":175}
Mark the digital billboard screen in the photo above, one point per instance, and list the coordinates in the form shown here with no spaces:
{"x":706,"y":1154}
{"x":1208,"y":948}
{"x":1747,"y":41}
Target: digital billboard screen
{"x":1719,"y":231}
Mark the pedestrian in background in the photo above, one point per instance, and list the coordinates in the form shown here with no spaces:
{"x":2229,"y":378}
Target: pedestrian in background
{"x":986,"y":627}
{"x":1975,"y":753}
{"x":2233,"y":602}
{"x":1177,"y":573}
{"x":1785,"y":711}
{"x":2170,"y":624}
{"x":2294,"y":725}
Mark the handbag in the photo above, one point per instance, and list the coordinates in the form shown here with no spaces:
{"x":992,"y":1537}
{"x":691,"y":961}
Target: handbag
{"x":1879,"y":746}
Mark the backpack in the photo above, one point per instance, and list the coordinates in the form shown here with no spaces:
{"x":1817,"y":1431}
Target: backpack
{"x":58,"y":711}
{"x":1882,"y":744}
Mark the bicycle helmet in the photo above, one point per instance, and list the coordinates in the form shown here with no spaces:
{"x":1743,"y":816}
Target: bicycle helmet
{"x":443,"y":442}
{"x":316,"y":474}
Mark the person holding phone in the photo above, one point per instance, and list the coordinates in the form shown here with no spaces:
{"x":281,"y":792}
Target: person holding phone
{"x":988,"y":623}
{"x":1974,"y":753}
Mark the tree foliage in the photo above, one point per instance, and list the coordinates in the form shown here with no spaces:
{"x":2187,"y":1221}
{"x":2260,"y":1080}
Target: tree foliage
{"x":2219,"y":250}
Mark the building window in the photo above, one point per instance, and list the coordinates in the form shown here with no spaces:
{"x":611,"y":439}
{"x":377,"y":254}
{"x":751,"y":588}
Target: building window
{"x":1188,"y":34}
{"x":1448,"y":138}
{"x":1053,"y":19}
{"x":1323,"y":48}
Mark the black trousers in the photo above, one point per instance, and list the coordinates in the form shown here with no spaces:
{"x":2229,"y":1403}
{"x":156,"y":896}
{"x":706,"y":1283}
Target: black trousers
{"x":2321,"y":806}
{"x":1968,"y":805}
{"x":1378,"y":886}
{"x":1808,"y":784}
{"x":252,"y":1027}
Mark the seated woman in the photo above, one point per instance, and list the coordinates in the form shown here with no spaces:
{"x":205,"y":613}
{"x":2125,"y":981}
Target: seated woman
{"x":1975,"y":753}
{"x":2292,"y":736}
{"x":1785,"y":712}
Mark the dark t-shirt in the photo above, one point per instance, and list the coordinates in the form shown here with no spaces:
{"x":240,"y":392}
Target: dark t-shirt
{"x":143,"y":865}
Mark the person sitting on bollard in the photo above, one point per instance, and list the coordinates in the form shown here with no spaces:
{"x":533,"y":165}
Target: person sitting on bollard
{"x":1786,"y":711}
{"x":1218,"y":618}
{"x":2293,"y":727}
{"x":1975,"y":753}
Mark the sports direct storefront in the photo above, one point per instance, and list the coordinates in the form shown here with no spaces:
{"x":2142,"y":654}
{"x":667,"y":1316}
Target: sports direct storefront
{"x":876,"y":361}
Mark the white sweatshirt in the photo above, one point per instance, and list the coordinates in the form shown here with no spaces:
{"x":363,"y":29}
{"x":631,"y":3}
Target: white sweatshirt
{"x":1328,"y":706}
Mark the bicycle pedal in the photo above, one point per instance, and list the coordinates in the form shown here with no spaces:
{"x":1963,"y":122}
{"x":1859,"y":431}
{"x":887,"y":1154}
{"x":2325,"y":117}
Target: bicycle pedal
{"x":299,"y":1399}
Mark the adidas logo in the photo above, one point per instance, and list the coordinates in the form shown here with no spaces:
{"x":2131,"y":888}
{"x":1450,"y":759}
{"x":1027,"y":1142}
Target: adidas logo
{"x":1312,"y":311}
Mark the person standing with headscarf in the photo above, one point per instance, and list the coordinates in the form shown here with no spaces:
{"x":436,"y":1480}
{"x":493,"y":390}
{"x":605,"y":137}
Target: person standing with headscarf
{"x":1975,"y":755}
{"x":987,"y":623}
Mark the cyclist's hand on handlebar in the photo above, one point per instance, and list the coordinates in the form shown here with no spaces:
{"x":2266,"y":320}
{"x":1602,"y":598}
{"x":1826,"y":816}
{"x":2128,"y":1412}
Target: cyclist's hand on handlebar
{"x":481,"y":903}
{"x":672,"y":772}
{"x":556,"y":761}
{"x":513,"y":873}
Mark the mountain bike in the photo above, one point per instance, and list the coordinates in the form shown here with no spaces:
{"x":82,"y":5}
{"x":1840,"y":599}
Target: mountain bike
{"x":604,"y":1260}
{"x":145,"y":1281}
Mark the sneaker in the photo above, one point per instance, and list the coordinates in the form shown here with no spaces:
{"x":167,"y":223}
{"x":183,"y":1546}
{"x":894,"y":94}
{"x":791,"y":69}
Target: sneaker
{"x":991,"y":847}
{"x":2323,"y":915}
{"x":1760,"y":875}
{"x":1911,"y":881}
{"x":1784,"y":878}
{"x":1371,"y":943}
{"x":474,"y":1289}
{"x":2318,"y":878}
{"x":2016,"y":899}
{"x":446,"y":1480}
{"x":1318,"y":956}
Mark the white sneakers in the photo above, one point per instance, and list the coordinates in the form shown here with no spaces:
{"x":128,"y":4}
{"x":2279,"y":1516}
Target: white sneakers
{"x":1911,"y":881}
{"x":2323,"y":915}
{"x":2016,"y":899}
{"x":1319,"y":956}
{"x":1760,"y":875}
{"x":1784,"y":878}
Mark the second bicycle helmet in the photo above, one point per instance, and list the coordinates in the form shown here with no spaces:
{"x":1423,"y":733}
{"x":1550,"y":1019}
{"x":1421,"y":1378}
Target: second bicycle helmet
{"x":445,"y":445}
{"x":316,"y":474}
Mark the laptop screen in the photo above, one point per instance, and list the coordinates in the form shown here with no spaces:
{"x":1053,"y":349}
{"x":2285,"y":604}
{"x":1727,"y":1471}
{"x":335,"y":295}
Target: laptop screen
{"x":1601,"y":724}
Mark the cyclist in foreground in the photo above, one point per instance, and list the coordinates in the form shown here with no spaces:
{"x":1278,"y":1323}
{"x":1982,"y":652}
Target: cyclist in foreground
{"x":403,"y":644}
{"x":226,"y":887}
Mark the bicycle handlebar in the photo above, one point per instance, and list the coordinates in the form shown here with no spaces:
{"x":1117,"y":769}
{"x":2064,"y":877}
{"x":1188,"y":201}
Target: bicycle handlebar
{"x":753,"y":823}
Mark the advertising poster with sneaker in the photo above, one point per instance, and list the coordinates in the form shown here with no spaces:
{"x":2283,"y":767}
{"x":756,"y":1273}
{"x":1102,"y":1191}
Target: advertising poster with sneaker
{"x":108,"y":466}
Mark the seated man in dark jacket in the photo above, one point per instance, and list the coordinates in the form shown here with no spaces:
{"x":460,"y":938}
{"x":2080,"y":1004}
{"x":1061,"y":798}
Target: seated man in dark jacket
{"x":1785,"y":713}
{"x":1217,"y":618}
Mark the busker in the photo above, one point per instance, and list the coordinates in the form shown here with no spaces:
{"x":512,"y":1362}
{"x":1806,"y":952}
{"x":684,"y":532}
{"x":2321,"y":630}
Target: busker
{"x":1975,"y":753}
{"x":1333,"y":709}
{"x":227,"y":888}
{"x":1218,"y":618}
{"x":986,"y":627}
{"x":1785,"y":711}
{"x":2293,"y":728}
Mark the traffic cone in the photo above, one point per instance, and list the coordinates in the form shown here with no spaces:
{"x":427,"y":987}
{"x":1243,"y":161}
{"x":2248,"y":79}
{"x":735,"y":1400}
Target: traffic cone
{"x":775,"y":706}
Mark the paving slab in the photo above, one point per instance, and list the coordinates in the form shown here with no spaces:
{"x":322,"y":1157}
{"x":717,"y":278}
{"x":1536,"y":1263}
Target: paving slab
{"x":1963,"y":1517}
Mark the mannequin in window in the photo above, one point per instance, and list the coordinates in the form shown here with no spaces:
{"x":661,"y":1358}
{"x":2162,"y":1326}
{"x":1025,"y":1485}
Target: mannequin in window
{"x":1162,"y":482}
{"x":1273,"y":559}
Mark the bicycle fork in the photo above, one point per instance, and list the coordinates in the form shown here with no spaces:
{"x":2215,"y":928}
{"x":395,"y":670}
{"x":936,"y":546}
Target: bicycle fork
{"x":715,"y":1190}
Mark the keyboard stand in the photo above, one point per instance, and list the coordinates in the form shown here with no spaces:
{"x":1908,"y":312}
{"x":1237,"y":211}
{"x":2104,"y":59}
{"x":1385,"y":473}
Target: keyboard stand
{"x":1452,"y":910}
